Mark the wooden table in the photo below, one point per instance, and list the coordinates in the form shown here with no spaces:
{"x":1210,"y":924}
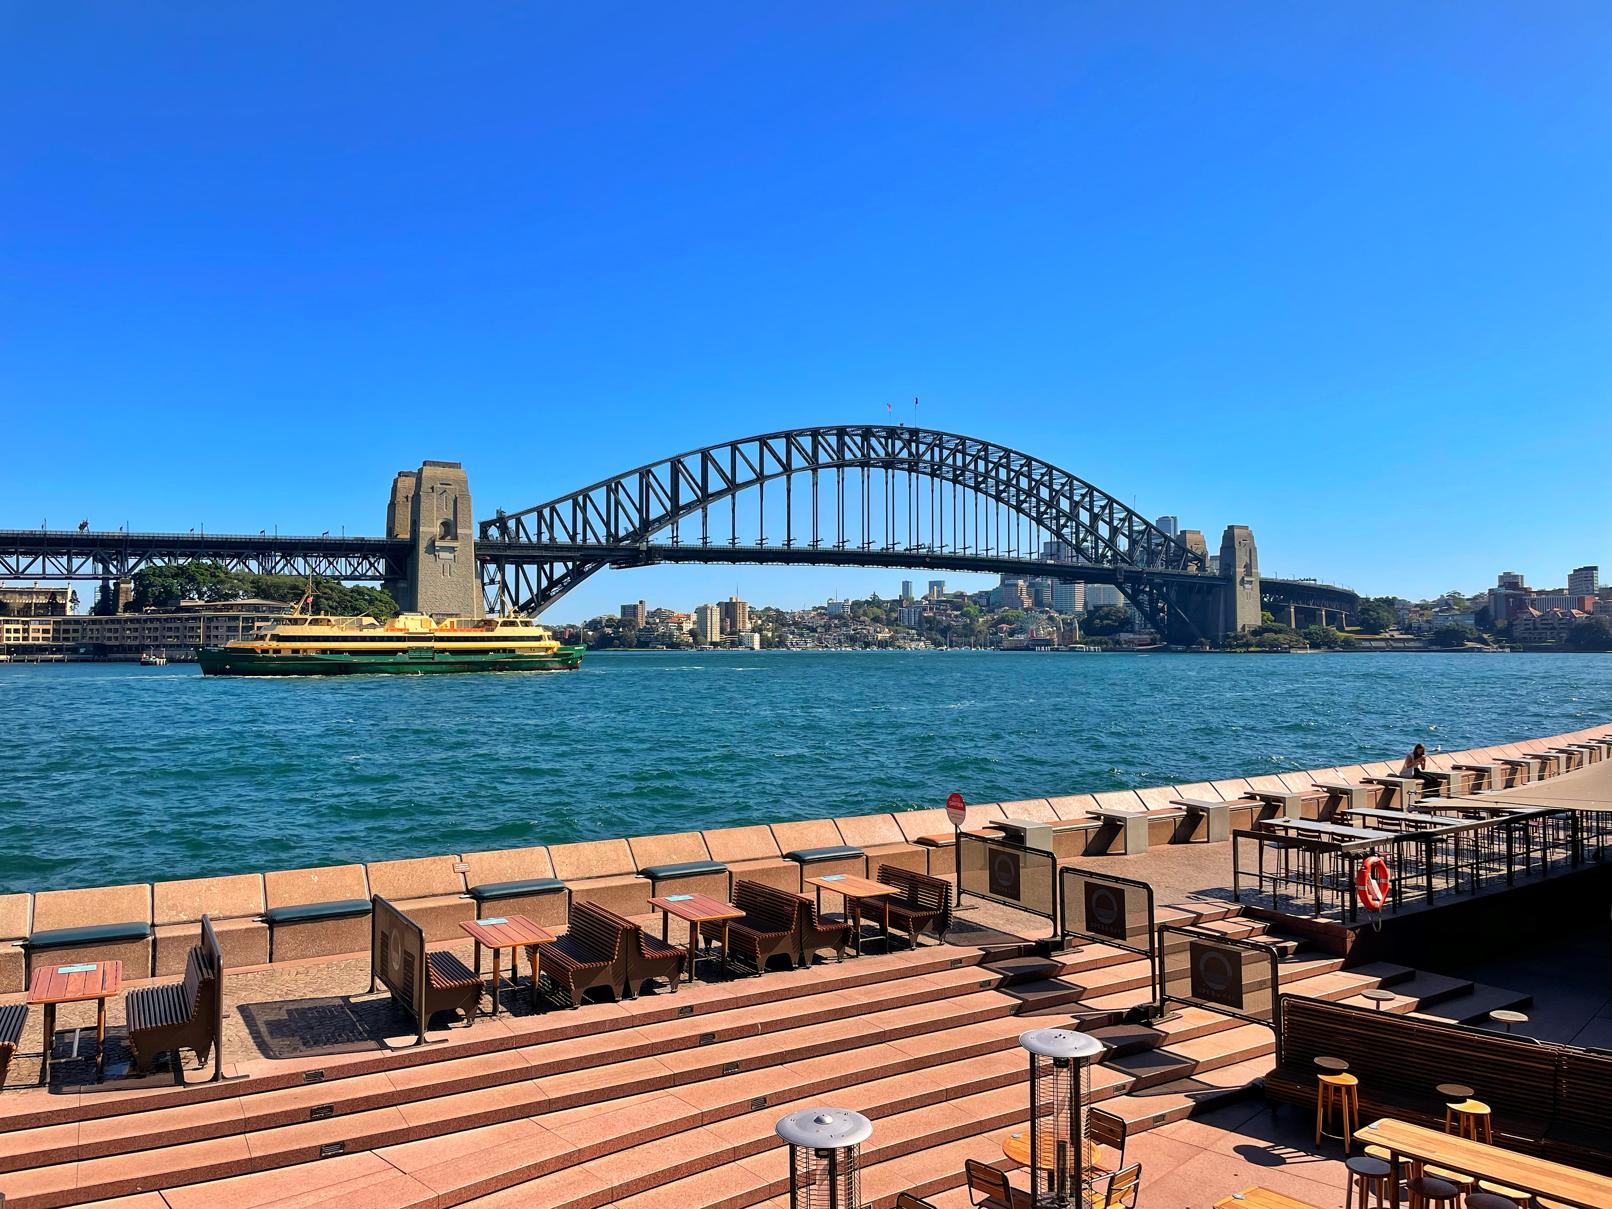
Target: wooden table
{"x":856,"y":889}
{"x":1556,"y":1181}
{"x":697,"y":909}
{"x":512,"y":932}
{"x":77,"y":983}
{"x":1016,"y":1146}
{"x":1260,"y":1198}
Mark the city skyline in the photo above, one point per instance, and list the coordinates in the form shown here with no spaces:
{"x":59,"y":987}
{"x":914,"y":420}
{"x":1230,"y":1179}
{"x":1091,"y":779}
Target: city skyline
{"x":1348,"y":319}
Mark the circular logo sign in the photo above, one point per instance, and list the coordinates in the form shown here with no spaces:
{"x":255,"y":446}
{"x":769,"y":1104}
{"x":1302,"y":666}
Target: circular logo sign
{"x":1104,"y":907}
{"x":957,"y":810}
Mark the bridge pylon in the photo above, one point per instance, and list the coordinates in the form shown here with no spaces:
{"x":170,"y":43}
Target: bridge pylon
{"x":430,"y":509}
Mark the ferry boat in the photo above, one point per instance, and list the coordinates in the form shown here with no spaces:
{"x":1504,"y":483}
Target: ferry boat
{"x":153,"y":658}
{"x":411,"y":644}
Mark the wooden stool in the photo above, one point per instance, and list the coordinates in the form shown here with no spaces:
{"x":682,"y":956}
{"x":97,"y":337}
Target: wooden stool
{"x":1339,"y":1092}
{"x":1491,"y":1200}
{"x":1517,"y":1198}
{"x":1469,"y":1119}
{"x":1463,"y":1183}
{"x":1429,"y":1193}
{"x":1371,"y":1177}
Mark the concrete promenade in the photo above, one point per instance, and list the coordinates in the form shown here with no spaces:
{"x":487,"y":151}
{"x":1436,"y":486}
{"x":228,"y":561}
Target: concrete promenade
{"x":669,"y":1100}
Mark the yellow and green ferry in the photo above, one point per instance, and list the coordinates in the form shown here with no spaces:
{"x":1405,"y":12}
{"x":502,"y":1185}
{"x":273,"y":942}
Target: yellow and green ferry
{"x":410,"y":644}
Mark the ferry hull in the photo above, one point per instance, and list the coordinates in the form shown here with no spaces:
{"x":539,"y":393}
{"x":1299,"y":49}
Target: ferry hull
{"x":219,"y":661}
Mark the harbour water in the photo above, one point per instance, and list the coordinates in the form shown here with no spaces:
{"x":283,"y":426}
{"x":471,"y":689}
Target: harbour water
{"x":119,"y":773}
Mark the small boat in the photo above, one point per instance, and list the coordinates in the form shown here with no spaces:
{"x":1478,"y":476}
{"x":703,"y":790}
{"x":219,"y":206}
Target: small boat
{"x":153,"y":658}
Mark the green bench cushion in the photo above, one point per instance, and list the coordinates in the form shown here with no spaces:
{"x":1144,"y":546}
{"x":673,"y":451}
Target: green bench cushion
{"x":517,"y":889}
{"x":61,"y":938}
{"x":657,"y":873}
{"x":344,"y":908}
{"x":808,"y":856}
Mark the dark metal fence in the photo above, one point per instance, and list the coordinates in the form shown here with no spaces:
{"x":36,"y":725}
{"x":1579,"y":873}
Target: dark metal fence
{"x":1107,"y":909}
{"x":1004,"y":872}
{"x":1204,"y":969}
{"x":1466,"y":846}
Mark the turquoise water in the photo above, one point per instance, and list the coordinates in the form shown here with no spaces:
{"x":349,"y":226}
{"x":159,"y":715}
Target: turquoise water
{"x":119,"y":773}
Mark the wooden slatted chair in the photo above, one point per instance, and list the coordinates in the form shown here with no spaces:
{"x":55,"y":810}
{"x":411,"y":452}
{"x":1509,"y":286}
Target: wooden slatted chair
{"x":906,"y":1200}
{"x":989,"y":1187}
{"x":13,"y":1017}
{"x":1106,"y":1129}
{"x":1122,"y":1189}
{"x":175,"y":1015}
{"x":650,"y":957}
{"x":592,"y":954}
{"x":924,"y":904}
{"x":425,"y":983}
{"x":770,"y":927}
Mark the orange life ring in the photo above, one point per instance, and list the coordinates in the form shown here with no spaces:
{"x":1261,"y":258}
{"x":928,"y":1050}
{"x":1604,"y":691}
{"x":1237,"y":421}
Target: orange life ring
{"x":1371,"y":883}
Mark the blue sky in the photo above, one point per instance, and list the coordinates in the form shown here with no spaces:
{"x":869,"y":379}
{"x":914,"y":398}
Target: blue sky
{"x":1340,"y":273}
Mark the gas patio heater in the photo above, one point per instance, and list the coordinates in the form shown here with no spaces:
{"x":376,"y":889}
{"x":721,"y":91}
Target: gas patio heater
{"x":825,"y":1146}
{"x":1060,"y":1082}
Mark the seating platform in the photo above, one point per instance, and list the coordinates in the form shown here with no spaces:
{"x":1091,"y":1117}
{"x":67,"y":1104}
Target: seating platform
{"x":545,"y":1109}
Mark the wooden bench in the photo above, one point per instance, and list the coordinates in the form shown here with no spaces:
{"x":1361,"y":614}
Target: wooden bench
{"x":924,"y":904}
{"x":651,"y":957}
{"x":592,"y":953}
{"x":1580,"y":1131}
{"x":423,"y":982}
{"x":13,"y":1018}
{"x":770,"y":926}
{"x":821,"y":930}
{"x":181,"y":1015}
{"x":1401,"y":1061}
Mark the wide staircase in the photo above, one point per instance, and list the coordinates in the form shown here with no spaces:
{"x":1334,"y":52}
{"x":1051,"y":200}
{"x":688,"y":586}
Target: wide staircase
{"x":670,"y":1100}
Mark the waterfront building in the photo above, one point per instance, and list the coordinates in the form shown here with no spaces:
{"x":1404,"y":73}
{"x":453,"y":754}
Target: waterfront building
{"x":708,"y":624}
{"x":749,"y":641}
{"x":735,"y":615}
{"x":1584,"y":581}
{"x":22,"y":637}
{"x":1508,"y":597}
{"x":633,"y":614}
{"x":19,"y":600}
{"x":176,"y":632}
{"x":1535,"y":627}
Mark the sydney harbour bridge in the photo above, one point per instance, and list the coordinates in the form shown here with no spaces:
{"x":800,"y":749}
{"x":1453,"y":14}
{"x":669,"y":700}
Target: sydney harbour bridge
{"x":844,"y":495}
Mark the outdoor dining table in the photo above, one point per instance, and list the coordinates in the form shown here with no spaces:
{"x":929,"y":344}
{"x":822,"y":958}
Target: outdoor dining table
{"x":856,"y":889}
{"x":512,"y":932}
{"x":76,"y":983}
{"x":1261,"y":1198}
{"x":697,"y":909}
{"x":1525,"y":1172}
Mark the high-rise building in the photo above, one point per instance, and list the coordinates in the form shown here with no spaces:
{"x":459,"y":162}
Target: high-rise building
{"x":1098,"y":595}
{"x":1508,"y":597}
{"x":937,"y":589}
{"x":708,"y":623}
{"x":735,"y":615}
{"x":633,"y":614}
{"x":906,"y":590}
{"x":1171,"y":525}
{"x":911,"y":615}
{"x":1584,"y":581}
{"x":1068,"y":598}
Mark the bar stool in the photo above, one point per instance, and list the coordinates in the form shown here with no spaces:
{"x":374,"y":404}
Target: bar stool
{"x":1469,"y":1118}
{"x":1427,"y":1192}
{"x":1370,"y":1176}
{"x":1337,"y":1091}
{"x":1452,"y":1094}
{"x":1514,"y":1198}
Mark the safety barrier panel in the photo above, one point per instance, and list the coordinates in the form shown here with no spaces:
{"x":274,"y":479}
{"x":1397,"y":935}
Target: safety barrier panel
{"x":1106,"y":909}
{"x":1200,"y":968}
{"x":1004,"y":872}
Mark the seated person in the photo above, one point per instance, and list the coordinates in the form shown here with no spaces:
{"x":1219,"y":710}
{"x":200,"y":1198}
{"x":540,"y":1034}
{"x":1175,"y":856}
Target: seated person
{"x":1416,"y":766}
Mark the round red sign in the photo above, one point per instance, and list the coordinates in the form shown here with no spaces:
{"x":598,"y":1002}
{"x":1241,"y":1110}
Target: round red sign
{"x":957,"y":810}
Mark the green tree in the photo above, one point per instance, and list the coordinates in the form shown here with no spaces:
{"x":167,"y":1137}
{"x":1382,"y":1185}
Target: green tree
{"x":1376,"y":616}
{"x":1105,"y":619}
{"x":1591,"y":634}
{"x":1454,"y":635}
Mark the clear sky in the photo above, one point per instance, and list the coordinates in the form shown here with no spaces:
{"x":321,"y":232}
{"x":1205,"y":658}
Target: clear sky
{"x":1340,"y":272}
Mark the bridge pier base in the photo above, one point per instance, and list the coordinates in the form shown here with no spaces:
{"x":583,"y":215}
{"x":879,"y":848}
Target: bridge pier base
{"x":1230,"y":604}
{"x":430,"y":508}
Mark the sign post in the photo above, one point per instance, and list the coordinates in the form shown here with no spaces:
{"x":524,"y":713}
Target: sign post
{"x":957,"y":813}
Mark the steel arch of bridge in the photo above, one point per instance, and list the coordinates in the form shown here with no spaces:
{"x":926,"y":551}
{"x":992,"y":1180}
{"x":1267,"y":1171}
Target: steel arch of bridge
{"x":607,"y":522}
